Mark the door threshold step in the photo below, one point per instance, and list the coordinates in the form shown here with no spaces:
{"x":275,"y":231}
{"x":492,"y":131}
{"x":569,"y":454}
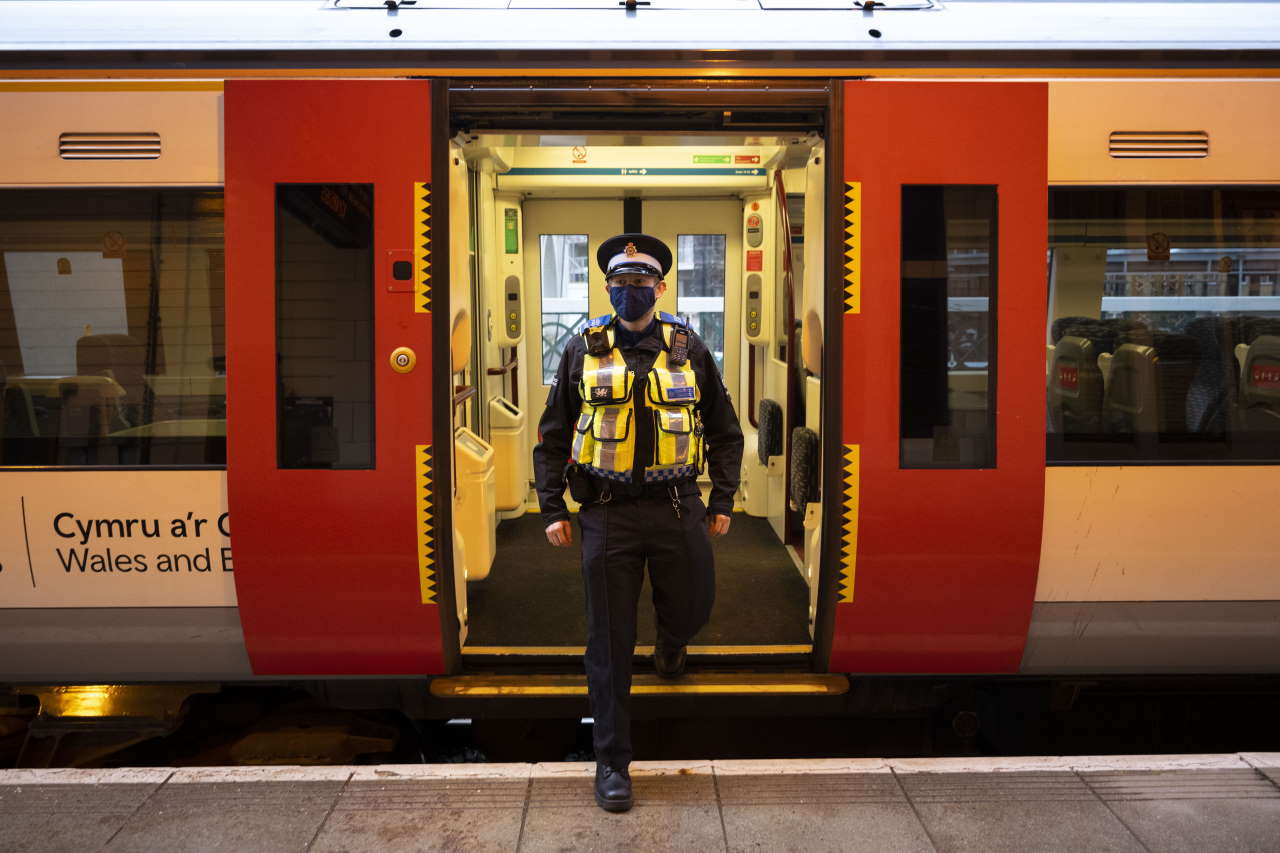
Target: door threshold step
{"x":641,"y":651}
{"x":709,"y":683}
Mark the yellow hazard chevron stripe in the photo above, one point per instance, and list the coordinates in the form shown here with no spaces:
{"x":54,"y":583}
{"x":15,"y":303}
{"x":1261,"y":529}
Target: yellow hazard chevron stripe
{"x":849,"y":523}
{"x":853,"y":248}
{"x":422,"y":248}
{"x":426,"y":537}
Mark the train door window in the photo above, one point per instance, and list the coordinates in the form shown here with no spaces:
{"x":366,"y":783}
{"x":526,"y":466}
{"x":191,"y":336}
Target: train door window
{"x":112,"y":328}
{"x":565,"y":269}
{"x":700,"y":260}
{"x":1164,"y":324}
{"x":324,"y":325}
{"x":948,"y":327}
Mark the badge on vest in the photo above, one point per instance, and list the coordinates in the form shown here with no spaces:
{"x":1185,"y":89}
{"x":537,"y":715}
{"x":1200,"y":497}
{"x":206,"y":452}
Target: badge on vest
{"x":685,"y":392}
{"x":601,"y":392}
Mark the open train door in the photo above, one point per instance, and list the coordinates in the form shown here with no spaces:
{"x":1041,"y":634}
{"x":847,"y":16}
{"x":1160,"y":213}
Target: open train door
{"x":942,"y":451}
{"x":331,"y":424}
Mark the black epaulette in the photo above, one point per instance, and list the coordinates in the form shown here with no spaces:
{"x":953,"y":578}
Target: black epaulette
{"x":598,"y":341}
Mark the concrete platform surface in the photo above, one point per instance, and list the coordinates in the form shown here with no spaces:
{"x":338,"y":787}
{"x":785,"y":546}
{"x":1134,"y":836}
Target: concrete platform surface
{"x":1197,"y":803}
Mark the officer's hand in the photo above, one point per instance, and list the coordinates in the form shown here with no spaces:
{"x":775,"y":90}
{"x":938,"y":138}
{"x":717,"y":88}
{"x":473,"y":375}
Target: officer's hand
{"x":560,"y":533}
{"x":718,"y":525}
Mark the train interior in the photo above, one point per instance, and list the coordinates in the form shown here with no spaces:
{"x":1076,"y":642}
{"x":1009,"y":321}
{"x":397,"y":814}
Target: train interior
{"x":527,"y":214}
{"x":1163,"y":335}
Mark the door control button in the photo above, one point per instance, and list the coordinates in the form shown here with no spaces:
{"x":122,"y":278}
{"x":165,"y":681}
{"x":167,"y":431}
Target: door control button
{"x":403,"y":359}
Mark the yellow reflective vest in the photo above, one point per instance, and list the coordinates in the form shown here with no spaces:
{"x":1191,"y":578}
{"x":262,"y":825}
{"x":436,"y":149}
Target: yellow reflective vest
{"x":604,"y":438}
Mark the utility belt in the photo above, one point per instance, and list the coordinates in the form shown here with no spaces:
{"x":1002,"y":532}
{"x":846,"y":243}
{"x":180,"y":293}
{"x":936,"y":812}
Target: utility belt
{"x":587,"y":488}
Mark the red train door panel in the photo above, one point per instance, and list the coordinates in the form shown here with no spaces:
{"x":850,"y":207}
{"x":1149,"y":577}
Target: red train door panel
{"x":330,"y":428}
{"x":943,"y":381}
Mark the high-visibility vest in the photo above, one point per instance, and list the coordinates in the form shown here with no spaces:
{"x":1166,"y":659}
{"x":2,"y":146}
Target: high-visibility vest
{"x":604,"y":439}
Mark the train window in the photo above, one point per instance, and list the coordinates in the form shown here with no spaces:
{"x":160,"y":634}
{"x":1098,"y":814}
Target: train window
{"x":700,"y":262}
{"x":112,"y":327}
{"x":565,"y":280}
{"x":948,"y":327}
{"x":324,"y":325}
{"x":1164,"y":325}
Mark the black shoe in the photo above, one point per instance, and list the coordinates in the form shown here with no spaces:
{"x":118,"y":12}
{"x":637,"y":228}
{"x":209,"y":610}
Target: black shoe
{"x":613,"y":789}
{"x":669,"y":660}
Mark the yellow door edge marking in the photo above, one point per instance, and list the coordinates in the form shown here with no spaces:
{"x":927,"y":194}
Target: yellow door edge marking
{"x":849,"y":523}
{"x":481,"y":686}
{"x":641,"y":651}
{"x":426,"y":536}
{"x":422,"y":248}
{"x":853,"y":248}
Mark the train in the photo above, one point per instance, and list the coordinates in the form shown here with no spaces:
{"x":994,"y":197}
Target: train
{"x":995,"y":288}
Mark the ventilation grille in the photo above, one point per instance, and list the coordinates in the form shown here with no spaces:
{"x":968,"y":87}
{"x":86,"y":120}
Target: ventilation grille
{"x":109,"y":146}
{"x":1178,"y":144}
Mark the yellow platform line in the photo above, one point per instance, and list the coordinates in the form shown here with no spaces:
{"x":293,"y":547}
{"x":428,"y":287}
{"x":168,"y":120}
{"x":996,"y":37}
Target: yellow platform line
{"x":641,"y":651}
{"x":724,"y":684}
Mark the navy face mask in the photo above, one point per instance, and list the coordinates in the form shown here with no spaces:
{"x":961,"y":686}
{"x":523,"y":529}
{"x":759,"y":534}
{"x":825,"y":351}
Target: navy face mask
{"x":632,"y":303}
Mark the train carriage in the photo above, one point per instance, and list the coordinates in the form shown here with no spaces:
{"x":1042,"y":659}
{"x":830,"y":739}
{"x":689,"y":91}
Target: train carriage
{"x":995,"y":288}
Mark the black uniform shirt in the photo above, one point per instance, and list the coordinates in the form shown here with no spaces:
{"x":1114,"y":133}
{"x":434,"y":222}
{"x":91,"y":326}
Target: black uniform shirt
{"x":721,"y":431}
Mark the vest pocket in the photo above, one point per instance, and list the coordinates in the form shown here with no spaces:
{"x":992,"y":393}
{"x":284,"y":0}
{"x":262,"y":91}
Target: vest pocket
{"x":673,"y":387}
{"x":603,"y":438}
{"x":675,"y":442}
{"x":611,"y":423}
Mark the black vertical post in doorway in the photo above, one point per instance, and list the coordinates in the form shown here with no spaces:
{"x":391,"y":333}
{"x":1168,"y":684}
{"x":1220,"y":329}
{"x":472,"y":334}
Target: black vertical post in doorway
{"x":832,"y":392}
{"x":632,"y":216}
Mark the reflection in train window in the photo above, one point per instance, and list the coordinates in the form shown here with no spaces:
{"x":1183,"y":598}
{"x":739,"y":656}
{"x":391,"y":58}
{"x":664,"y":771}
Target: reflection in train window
{"x":1164,"y":325}
{"x":700,"y":275}
{"x":948,"y":341}
{"x":324,"y":325}
{"x":112,"y":327}
{"x":565,"y":278}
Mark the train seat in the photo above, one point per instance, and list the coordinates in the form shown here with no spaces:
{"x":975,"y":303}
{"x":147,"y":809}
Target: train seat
{"x":1063,"y":326}
{"x":1076,"y":385}
{"x":769,"y":443}
{"x":805,"y":476}
{"x":770,"y":447}
{"x":804,"y":495}
{"x":89,"y":409}
{"x":121,"y":357}
{"x":1213,"y":388}
{"x":474,"y":504}
{"x":1151,"y":375}
{"x":510,"y":440}
{"x":1260,"y":384}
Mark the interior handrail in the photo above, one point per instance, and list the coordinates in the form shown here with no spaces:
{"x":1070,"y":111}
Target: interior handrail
{"x":463,"y":393}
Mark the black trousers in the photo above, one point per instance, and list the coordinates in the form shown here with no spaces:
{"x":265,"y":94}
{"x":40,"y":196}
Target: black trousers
{"x":618,"y":539}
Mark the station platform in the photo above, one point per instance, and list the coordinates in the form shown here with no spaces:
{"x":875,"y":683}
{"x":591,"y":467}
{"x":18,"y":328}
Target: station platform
{"x":1113,"y":803}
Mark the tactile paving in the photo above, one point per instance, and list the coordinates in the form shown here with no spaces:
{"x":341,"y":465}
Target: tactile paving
{"x":1182,"y":785}
{"x":73,"y":799}
{"x":247,"y":796}
{"x":994,"y":787}
{"x":668,"y":790}
{"x":807,"y":789}
{"x":414,"y":794}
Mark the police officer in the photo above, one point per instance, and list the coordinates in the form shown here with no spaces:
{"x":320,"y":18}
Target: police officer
{"x":636,"y":411}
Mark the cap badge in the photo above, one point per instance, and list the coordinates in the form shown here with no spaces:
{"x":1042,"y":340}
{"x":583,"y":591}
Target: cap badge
{"x":630,"y":250}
